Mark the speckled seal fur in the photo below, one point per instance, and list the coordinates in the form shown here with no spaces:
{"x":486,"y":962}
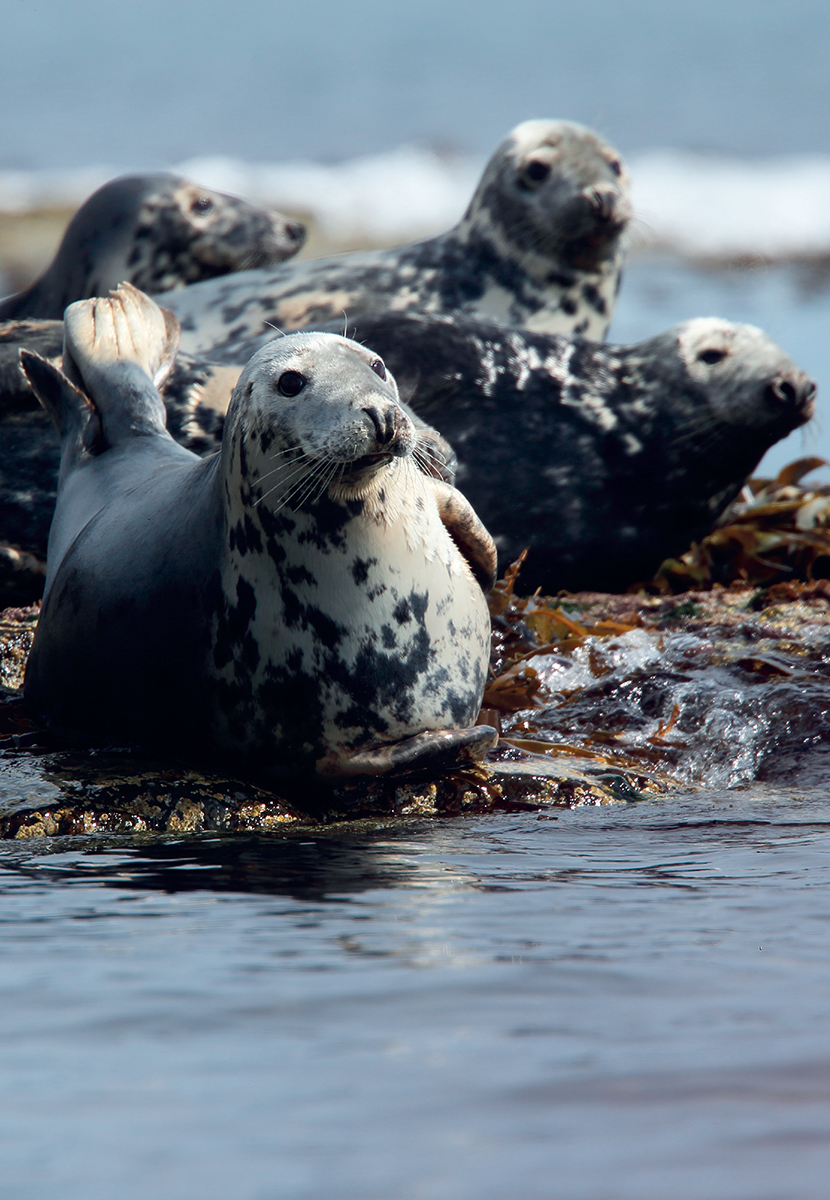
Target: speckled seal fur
{"x":296,"y":604}
{"x":158,"y":232}
{"x":539,"y":246}
{"x":603,"y":459}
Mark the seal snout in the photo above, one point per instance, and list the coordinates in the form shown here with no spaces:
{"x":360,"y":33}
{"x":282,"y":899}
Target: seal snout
{"x":294,"y":232}
{"x":393,"y":432}
{"x":796,"y":390}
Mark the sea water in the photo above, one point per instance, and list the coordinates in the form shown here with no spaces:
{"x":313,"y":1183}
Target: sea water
{"x":627,"y":1003}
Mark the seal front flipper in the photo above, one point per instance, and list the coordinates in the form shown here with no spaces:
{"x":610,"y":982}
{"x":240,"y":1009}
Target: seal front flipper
{"x":466,"y":530}
{"x":433,"y":751}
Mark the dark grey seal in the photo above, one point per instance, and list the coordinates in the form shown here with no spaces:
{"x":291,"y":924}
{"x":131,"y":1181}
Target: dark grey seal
{"x":539,"y":246}
{"x":603,"y":459}
{"x":296,"y":604}
{"x":158,"y":232}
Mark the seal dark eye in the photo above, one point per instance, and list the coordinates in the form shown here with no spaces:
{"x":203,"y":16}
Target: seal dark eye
{"x":537,"y":171}
{"x":712,"y":356}
{"x":291,"y":383}
{"x":615,"y":166}
{"x":378,"y":368}
{"x":203,"y":204}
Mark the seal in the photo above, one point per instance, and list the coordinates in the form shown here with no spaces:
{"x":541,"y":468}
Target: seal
{"x":539,"y":246}
{"x":159,"y":232}
{"x":604,"y":460}
{"x":296,"y":604}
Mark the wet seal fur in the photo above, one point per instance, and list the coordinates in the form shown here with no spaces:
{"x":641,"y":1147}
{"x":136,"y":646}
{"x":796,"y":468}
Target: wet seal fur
{"x":539,"y":246}
{"x":604,"y":460}
{"x":296,"y":604}
{"x":159,"y":232}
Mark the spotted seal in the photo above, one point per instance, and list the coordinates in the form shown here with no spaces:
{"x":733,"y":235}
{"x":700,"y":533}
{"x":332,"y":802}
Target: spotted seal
{"x":539,"y":246}
{"x":603,"y":459}
{"x":296,"y":603}
{"x":160,"y":232}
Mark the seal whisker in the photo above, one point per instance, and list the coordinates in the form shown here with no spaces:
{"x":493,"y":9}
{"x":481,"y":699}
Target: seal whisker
{"x":295,"y":480}
{"x":285,"y":466}
{"x":299,"y":492}
{"x":290,"y":468}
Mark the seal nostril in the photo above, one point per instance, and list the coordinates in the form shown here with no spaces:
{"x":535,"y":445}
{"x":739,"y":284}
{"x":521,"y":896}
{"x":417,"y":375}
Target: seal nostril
{"x":384,"y":425}
{"x":784,"y":390}
{"x":602,"y":203}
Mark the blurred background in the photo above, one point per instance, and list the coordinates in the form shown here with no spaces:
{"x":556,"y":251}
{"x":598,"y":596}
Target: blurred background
{"x":372,"y":121}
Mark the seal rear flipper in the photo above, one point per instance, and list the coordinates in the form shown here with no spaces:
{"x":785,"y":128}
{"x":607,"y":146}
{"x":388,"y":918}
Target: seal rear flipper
{"x":121,"y":347}
{"x":434,"y":751}
{"x":466,"y":530}
{"x":75,"y":416}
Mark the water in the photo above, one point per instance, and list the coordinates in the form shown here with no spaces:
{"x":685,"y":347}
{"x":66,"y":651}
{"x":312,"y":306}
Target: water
{"x":600,"y":1003}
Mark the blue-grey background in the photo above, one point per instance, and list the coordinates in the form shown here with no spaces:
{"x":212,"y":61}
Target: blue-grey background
{"x":160,"y":80}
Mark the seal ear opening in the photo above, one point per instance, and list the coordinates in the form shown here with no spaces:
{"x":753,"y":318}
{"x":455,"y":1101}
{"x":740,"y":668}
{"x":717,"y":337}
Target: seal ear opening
{"x":72,"y":412}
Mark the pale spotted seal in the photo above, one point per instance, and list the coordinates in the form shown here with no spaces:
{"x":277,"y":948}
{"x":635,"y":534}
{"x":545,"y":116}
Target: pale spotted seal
{"x":603,"y":459}
{"x":159,"y":232}
{"x":296,"y":603}
{"x":539,"y":246}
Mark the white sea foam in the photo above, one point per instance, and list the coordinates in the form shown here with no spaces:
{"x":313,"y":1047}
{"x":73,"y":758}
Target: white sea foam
{"x":692,"y":204}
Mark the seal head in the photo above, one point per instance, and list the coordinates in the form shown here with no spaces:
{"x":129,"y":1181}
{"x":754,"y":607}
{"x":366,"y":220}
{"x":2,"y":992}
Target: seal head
{"x":158,"y":232}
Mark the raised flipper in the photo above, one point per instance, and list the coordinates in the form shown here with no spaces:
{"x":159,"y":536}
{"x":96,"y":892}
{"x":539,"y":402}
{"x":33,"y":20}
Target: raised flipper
{"x":120,"y":348}
{"x":468,"y":533}
{"x":432,"y":752}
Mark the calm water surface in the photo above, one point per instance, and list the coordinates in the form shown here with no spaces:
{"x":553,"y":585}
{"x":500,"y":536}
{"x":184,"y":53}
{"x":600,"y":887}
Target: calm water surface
{"x":630,"y":1002}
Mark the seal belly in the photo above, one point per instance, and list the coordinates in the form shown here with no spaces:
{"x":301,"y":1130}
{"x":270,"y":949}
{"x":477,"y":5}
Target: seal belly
{"x":374,"y":635}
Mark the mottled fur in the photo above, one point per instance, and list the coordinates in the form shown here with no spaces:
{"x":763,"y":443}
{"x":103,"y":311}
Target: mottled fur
{"x":539,"y":246}
{"x":158,"y":232}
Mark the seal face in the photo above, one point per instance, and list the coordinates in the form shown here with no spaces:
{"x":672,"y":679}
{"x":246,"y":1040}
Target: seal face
{"x":539,"y":246}
{"x":603,"y":459}
{"x":296,"y":602}
{"x":158,"y":232}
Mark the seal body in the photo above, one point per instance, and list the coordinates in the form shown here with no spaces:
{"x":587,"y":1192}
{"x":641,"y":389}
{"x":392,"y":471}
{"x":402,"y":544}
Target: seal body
{"x":295,"y":604}
{"x":158,"y":232}
{"x":603,"y":459}
{"x":539,"y":246}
